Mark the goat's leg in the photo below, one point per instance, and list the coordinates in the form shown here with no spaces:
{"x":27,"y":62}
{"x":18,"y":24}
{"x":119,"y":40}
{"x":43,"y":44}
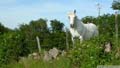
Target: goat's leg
{"x":81,"y":39}
{"x":73,"y":42}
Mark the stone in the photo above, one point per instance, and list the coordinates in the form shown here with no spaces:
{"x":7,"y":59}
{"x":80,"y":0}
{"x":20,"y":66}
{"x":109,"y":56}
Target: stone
{"x":47,"y":57}
{"x":54,"y":53}
{"x":108,"y":47}
{"x":34,"y":56}
{"x":51,"y":54}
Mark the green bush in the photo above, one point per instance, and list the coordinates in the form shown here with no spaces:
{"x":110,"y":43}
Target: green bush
{"x":91,"y":53}
{"x":11,"y":47}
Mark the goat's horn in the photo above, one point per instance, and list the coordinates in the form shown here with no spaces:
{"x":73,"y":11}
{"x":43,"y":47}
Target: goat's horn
{"x":74,"y":11}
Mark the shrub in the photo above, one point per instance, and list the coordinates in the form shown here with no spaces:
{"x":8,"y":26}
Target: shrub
{"x":90,"y":53}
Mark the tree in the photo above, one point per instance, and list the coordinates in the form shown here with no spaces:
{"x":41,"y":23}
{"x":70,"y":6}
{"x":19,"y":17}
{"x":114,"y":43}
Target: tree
{"x":39,"y":25}
{"x":11,"y":47}
{"x":58,"y":36}
{"x":3,"y":29}
{"x":56,"y":25}
{"x":116,"y":4}
{"x":30,"y":31}
{"x":89,"y":19}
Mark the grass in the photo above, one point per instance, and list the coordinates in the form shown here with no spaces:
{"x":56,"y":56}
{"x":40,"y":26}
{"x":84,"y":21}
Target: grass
{"x":88,"y":54}
{"x":62,"y":62}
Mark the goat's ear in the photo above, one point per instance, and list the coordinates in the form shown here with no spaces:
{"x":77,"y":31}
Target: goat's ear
{"x":68,"y":13}
{"x":74,"y":11}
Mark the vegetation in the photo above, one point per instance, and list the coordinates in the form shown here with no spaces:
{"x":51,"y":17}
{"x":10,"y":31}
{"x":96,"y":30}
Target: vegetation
{"x":63,"y":62}
{"x":21,"y":41}
{"x":116,"y":5}
{"x":91,"y":53}
{"x":4,"y":29}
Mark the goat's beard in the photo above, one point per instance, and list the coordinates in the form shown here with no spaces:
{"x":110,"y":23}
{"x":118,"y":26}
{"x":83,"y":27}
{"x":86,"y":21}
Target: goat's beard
{"x":71,"y":25}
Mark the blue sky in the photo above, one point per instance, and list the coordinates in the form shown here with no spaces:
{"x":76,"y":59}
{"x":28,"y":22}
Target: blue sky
{"x":16,"y":12}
